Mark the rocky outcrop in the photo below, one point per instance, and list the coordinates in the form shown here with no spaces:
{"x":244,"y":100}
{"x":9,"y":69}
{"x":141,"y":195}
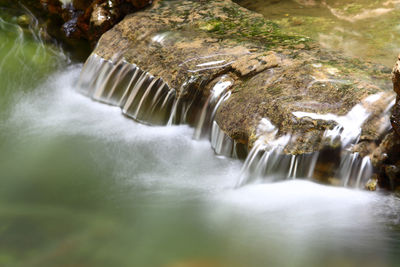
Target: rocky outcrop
{"x":395,"y":119}
{"x":284,"y":90}
{"x":386,"y":158}
{"x":283,"y":78}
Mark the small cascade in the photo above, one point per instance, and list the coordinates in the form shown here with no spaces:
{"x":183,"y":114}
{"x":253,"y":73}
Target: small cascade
{"x":272,"y":165}
{"x":354,"y":170}
{"x":185,"y":108}
{"x":150,"y":100}
{"x":139,"y":94}
{"x":348,"y":128}
{"x":218,"y":94}
{"x":222,"y":143}
{"x":267,"y":161}
{"x":268,"y":164}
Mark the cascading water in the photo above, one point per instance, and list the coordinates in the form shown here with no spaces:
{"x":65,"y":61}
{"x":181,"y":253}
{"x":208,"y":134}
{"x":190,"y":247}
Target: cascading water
{"x":219,"y":93}
{"x":354,"y":170}
{"x":139,"y":94}
{"x":267,"y":160}
{"x":150,"y":100}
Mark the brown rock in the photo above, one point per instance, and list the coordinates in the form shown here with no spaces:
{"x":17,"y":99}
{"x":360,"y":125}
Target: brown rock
{"x":396,"y":77}
{"x":82,"y":4}
{"x":140,"y":3}
{"x":190,"y":43}
{"x":386,"y":160}
{"x":395,"y":118}
{"x":253,"y":63}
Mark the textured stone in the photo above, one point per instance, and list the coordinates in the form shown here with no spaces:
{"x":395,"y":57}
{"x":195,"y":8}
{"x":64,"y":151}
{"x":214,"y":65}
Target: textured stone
{"x":190,"y":43}
{"x":386,"y":160}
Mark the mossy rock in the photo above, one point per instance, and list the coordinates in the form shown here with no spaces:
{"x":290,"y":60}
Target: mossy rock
{"x":275,"y":74}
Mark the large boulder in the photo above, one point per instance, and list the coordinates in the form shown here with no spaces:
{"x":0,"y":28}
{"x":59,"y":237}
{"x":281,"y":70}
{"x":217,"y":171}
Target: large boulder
{"x":283,"y":89}
{"x":283,"y":78}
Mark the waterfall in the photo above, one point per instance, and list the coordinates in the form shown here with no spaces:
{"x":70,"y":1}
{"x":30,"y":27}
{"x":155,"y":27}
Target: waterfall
{"x":354,"y":170}
{"x":222,"y":143}
{"x":267,"y":161}
{"x":273,"y":164}
{"x":139,"y":94}
{"x":150,"y":100}
{"x":218,"y":94}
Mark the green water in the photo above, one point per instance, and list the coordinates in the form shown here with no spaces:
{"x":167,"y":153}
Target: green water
{"x":25,"y":60}
{"x":367,"y":29}
{"x":81,"y":185}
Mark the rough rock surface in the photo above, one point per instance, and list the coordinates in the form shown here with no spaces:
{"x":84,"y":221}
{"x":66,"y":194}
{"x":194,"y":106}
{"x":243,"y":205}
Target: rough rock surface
{"x":395,"y":119}
{"x":386,"y":158}
{"x":190,"y":43}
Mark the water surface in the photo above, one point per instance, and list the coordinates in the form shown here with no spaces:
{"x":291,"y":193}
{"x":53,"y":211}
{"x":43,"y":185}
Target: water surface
{"x":367,"y":29}
{"x":81,"y":185}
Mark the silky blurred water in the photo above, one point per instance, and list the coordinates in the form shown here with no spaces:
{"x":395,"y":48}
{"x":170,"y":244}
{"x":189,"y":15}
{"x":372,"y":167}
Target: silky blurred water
{"x":81,"y":185}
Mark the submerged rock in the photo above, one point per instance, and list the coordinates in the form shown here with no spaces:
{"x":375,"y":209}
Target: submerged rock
{"x":372,"y":184}
{"x":285,"y":90}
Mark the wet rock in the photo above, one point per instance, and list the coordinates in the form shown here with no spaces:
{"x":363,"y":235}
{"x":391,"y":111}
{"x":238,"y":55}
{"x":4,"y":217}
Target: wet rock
{"x":395,"y":119}
{"x":139,"y":3}
{"x":386,"y":160}
{"x":82,"y":4}
{"x":253,"y":63}
{"x":364,"y":148}
{"x":372,"y":184}
{"x":317,"y":97}
{"x":396,"y":77}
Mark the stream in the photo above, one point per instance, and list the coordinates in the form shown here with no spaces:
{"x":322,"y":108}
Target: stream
{"x":82,"y":185}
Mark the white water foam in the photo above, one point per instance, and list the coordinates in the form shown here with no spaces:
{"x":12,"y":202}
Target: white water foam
{"x":177,"y":159}
{"x":296,"y":215}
